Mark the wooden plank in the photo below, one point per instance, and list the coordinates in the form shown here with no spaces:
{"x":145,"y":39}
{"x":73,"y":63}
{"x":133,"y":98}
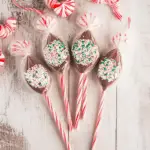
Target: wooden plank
{"x":129,"y":87}
{"x":25,"y":110}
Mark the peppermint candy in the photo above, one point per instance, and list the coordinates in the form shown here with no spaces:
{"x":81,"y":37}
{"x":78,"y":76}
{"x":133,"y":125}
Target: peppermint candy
{"x":62,"y":9}
{"x":88,"y":20}
{"x":85,"y":52}
{"x":2,"y":61}
{"x":65,"y":9}
{"x":20,"y":48}
{"x":44,"y":23}
{"x":8,"y":28}
{"x":37,"y":76}
{"x":51,"y":3}
{"x":109,"y":69}
{"x":55,"y":53}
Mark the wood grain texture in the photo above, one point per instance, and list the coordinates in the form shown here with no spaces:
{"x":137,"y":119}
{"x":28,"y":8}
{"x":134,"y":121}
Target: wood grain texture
{"x":125,"y":122}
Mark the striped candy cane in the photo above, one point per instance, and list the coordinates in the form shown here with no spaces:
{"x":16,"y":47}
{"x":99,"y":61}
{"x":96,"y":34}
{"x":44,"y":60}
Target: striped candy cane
{"x":79,"y":100}
{"x":57,"y":121}
{"x":113,"y":5}
{"x":66,"y":101}
{"x":84,"y":96}
{"x":99,"y":115}
{"x":27,"y":8}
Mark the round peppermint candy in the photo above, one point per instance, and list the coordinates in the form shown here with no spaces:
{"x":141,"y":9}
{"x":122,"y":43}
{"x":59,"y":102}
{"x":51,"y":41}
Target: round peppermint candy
{"x":55,"y":53}
{"x":109,"y":69}
{"x":85,"y":52}
{"x":37,"y":76}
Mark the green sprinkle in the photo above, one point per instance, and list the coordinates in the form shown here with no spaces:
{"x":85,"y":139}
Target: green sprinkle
{"x":55,"y":53}
{"x":37,"y":76}
{"x":109,"y":69}
{"x":85,"y":52}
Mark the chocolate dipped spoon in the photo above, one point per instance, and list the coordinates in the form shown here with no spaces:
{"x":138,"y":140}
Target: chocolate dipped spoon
{"x":85,"y":53}
{"x":109,"y":70}
{"x":56,"y":55}
{"x":38,"y":78}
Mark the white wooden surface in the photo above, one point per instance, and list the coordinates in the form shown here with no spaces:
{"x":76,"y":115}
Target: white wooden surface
{"x":125,"y":123}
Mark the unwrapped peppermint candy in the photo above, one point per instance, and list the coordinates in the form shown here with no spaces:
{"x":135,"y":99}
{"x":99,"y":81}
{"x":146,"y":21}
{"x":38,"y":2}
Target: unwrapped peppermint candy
{"x":2,"y":61}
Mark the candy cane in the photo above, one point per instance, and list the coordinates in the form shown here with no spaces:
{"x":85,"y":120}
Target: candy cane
{"x":84,"y":96}
{"x":20,"y":48}
{"x":27,"y":8}
{"x":98,"y":120}
{"x":57,"y":121}
{"x":79,"y":99}
{"x":66,"y":101}
{"x":8,"y":28}
{"x":113,"y":5}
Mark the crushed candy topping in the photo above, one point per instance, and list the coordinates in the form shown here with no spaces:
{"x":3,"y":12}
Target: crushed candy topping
{"x":109,"y":70}
{"x":37,"y":76}
{"x":85,"y":52}
{"x":55,"y":53}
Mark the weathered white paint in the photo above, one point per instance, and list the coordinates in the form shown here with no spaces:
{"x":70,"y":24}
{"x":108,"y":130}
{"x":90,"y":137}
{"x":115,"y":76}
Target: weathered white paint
{"x":125,"y":123}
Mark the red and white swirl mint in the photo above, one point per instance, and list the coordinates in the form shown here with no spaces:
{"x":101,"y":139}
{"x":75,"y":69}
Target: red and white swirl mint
{"x":8,"y":28}
{"x":88,"y":20}
{"x":20,"y":48}
{"x":2,"y":31}
{"x":11,"y":23}
{"x":51,"y":3}
{"x":64,"y":8}
{"x":2,"y":61}
{"x":45,"y":22}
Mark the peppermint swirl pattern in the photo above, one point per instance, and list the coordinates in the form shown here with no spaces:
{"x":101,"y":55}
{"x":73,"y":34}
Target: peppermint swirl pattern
{"x":85,"y":52}
{"x":55,"y":53}
{"x":109,"y":70}
{"x":37,"y":76}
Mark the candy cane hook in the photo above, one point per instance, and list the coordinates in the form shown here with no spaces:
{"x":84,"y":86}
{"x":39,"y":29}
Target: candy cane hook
{"x":8,"y":27}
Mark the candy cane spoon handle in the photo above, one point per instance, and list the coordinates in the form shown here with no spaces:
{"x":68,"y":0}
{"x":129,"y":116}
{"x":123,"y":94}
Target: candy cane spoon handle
{"x":57,"y":122}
